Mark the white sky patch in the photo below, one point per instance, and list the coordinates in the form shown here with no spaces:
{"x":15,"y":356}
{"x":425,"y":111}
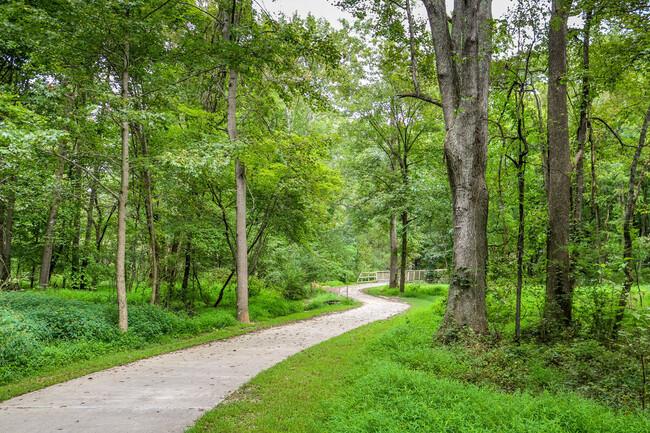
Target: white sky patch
{"x":324,"y":9}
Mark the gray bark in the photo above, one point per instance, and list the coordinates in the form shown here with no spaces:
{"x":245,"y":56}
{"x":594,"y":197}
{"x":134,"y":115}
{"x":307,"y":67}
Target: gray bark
{"x":463,"y":65}
{"x":559,"y":292}
{"x":120,"y":262}
{"x":241,"y":261}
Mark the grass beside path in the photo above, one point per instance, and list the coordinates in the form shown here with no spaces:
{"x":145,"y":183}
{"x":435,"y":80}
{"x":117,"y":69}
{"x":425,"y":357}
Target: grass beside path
{"x":59,"y":374}
{"x":389,"y":376}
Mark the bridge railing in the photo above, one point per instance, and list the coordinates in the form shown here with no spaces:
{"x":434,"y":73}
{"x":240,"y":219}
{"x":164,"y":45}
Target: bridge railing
{"x":384,"y":276}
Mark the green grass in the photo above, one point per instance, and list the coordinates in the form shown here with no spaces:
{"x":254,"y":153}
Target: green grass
{"x":391,"y":376}
{"x":47,"y":339}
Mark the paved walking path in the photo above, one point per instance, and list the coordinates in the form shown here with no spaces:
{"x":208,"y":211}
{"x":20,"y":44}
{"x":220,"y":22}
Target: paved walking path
{"x":169,"y":392}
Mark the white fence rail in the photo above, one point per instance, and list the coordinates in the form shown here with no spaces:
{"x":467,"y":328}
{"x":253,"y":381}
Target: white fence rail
{"x":384,"y":276}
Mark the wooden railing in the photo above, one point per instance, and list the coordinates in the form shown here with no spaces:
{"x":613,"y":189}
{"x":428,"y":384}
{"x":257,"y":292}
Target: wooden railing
{"x":384,"y":276}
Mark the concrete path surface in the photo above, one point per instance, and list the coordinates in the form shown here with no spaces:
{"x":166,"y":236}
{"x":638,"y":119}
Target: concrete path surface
{"x":169,"y":392}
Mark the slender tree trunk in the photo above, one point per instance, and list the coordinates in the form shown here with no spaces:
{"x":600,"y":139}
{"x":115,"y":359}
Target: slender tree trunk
{"x":170,"y":270}
{"x":595,"y":209}
{"x":120,"y":263}
{"x":6,"y":236}
{"x":582,"y":126}
{"x":48,"y":245}
{"x":3,"y":220}
{"x":88,"y":234}
{"x":241,"y":262}
{"x":402,"y":272}
{"x":628,"y":222}
{"x":186,"y":271}
{"x":463,"y":59}
{"x":394,"y":264}
{"x":153,"y":243}
{"x":242,"y":251}
{"x":76,"y":242}
{"x":520,"y":241}
{"x":503,"y":211}
{"x":559,"y":292}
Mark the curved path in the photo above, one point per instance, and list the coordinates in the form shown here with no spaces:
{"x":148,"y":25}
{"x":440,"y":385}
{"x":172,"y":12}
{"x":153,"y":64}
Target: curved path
{"x":169,"y":392}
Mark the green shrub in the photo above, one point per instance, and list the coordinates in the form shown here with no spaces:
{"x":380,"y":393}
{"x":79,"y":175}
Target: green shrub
{"x":19,"y":339}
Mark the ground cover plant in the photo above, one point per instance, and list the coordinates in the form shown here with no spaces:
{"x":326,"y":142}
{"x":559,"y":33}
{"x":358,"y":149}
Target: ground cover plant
{"x":394,"y":376}
{"x":42,"y":332}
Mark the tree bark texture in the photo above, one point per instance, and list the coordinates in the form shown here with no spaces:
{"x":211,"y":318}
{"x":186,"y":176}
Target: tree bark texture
{"x":394,"y":264}
{"x":559,"y":292}
{"x":120,"y":263}
{"x":241,"y":261}
{"x":463,"y":57}
{"x":48,"y":244}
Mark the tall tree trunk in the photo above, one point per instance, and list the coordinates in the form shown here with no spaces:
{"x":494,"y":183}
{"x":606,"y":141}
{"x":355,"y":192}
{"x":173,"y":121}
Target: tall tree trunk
{"x":559,"y":292}
{"x":402,"y":272}
{"x":120,"y":263}
{"x":463,"y":60}
{"x":241,"y":262}
{"x":48,"y":244}
{"x":628,"y":222}
{"x":394,"y":264}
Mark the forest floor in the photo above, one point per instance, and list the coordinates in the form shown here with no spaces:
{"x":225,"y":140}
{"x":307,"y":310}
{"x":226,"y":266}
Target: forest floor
{"x":167,"y":393}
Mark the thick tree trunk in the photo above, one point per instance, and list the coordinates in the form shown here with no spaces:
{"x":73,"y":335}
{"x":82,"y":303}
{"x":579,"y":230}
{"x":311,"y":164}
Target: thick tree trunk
{"x":402,"y":272}
{"x":48,"y":245}
{"x":463,"y":65}
{"x":394,"y":264}
{"x":559,"y":292}
{"x":120,"y":263}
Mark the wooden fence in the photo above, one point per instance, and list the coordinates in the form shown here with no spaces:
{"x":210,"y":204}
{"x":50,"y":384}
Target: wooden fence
{"x":384,"y":276}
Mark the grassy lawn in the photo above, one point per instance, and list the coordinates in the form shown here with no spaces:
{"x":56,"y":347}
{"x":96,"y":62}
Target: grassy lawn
{"x":391,"y":376}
